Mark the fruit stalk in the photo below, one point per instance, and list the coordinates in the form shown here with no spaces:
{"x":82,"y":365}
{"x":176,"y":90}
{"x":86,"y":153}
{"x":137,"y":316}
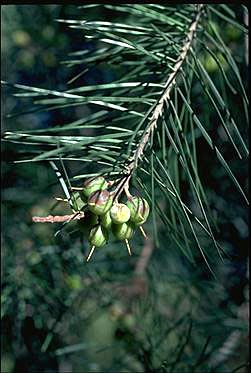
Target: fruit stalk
{"x":90,"y":253}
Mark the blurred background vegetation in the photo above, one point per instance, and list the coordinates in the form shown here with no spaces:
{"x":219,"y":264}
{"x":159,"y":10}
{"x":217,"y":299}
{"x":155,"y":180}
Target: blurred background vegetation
{"x":61,"y":315}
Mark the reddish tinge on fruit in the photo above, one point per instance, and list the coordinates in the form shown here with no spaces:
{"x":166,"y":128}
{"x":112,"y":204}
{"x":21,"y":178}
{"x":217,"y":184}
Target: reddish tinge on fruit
{"x":100,"y":202}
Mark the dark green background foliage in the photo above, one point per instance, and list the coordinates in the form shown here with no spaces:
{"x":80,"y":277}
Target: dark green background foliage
{"x":58,"y":312}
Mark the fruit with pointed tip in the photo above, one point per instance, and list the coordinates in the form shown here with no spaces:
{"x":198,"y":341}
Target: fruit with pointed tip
{"x":98,"y":236}
{"x":123,"y":231}
{"x":94,"y":184}
{"x":139,"y":210}
{"x":120,"y":213}
{"x":100,"y":202}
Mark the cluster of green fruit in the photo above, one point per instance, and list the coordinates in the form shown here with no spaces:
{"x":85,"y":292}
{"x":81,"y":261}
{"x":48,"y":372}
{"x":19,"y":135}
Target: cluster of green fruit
{"x":103,"y":214}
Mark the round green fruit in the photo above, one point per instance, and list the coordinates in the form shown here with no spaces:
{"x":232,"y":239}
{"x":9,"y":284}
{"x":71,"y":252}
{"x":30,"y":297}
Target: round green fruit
{"x":120,"y":213}
{"x":106,"y":220}
{"x":232,"y":32}
{"x":123,"y":231}
{"x":139,"y":210}
{"x":98,"y":236}
{"x":129,"y":321}
{"x":210,"y":64}
{"x":100,"y":202}
{"x":94,"y":184}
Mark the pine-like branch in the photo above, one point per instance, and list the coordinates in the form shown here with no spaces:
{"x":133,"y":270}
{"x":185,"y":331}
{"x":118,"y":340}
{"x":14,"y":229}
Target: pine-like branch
{"x":147,"y":105}
{"x":168,"y":88}
{"x":159,"y":108}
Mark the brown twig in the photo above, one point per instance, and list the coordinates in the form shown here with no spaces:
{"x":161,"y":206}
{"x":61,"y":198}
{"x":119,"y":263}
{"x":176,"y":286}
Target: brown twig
{"x":157,"y":112}
{"x":144,"y":258}
{"x":168,"y":87}
{"x":57,"y":218}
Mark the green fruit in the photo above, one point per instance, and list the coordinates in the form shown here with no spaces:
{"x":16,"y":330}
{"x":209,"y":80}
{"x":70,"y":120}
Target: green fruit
{"x":106,"y":220}
{"x":139,"y":209}
{"x":120,"y":213}
{"x":129,"y":321}
{"x":210,"y":64}
{"x":98,"y":236}
{"x":94,"y":184}
{"x":123,"y":231}
{"x":100,"y":202}
{"x":77,"y":202}
{"x":232,"y":32}
{"x":87,"y":223}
